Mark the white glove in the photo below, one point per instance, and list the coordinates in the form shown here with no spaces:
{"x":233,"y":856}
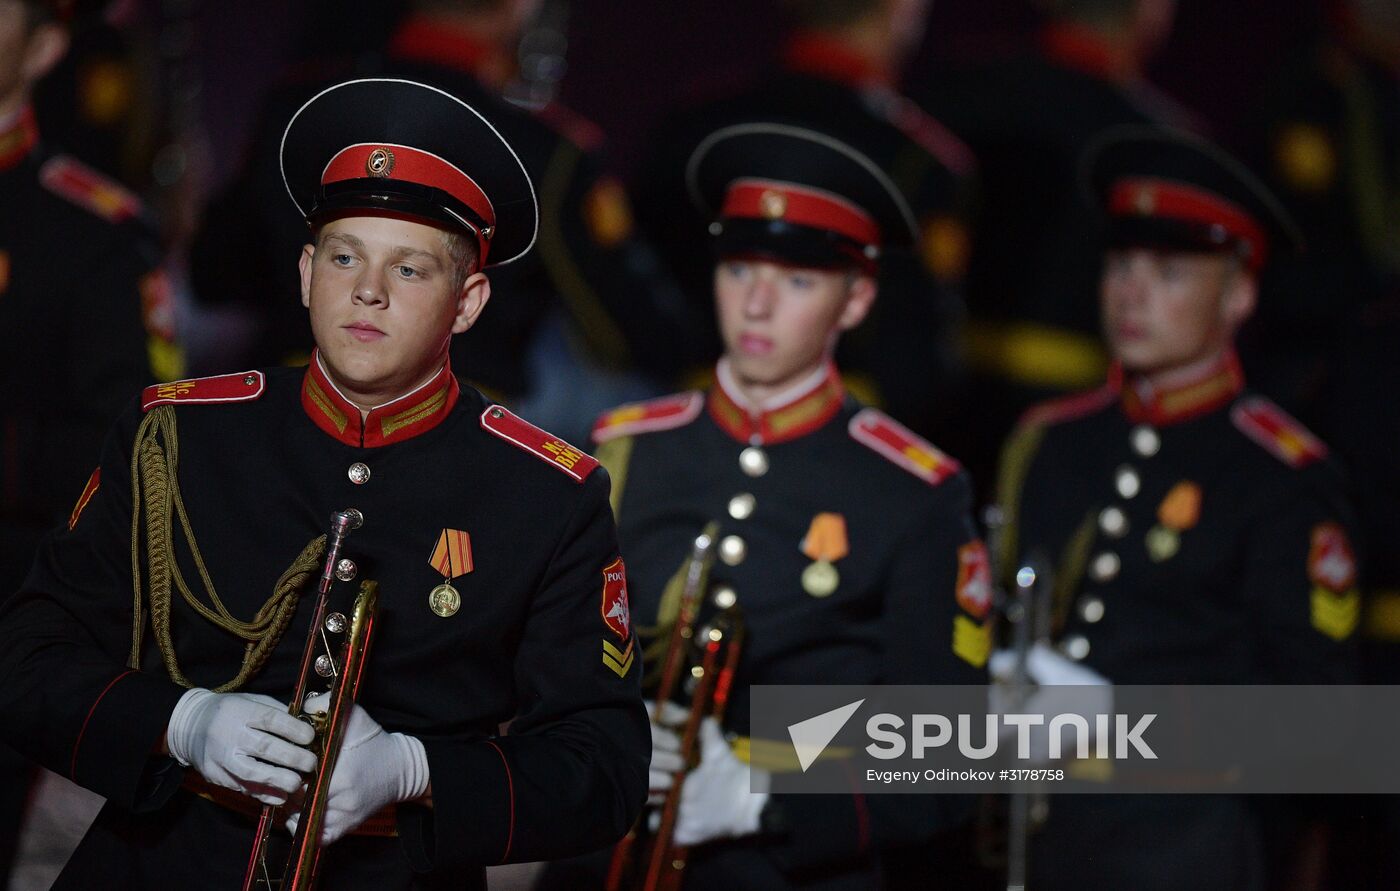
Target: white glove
{"x":241,"y":741}
{"x":1046,"y":666}
{"x":1064,"y":687}
{"x":374,"y":769}
{"x":665,"y":749}
{"x":716,"y":801}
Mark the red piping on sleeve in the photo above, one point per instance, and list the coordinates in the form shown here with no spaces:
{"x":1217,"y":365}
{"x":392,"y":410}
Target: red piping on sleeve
{"x":510,"y":786}
{"x":73,"y":765}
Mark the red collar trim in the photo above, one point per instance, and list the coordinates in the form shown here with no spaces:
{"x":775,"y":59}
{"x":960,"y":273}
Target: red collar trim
{"x":18,"y":139}
{"x":1215,"y":387}
{"x":410,"y":415}
{"x":428,"y":40}
{"x":808,"y":52}
{"x":796,"y":416}
{"x":1081,"y":49}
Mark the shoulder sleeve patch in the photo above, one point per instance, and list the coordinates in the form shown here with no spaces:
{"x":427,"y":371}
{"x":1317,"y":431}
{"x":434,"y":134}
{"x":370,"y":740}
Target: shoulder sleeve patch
{"x":665,"y":413}
{"x":549,"y":448}
{"x":1067,"y":408}
{"x":902,"y":446}
{"x":245,"y":386}
{"x":1280,"y":435}
{"x":89,"y":189}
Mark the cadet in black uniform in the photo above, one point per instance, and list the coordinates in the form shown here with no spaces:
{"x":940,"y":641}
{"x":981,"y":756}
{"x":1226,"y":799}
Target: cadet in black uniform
{"x":837,"y":72}
{"x":587,"y":262}
{"x":86,"y":310}
{"x":1032,"y":324}
{"x":844,"y":538}
{"x":1199,"y":534}
{"x":491,"y":540}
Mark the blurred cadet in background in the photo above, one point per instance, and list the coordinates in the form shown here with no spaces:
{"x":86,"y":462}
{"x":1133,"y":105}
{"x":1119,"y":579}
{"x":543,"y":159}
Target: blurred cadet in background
{"x":86,"y":310}
{"x":1330,"y":142}
{"x":1198,"y":534}
{"x":844,"y":540}
{"x":836,"y":73}
{"x":1033,"y":328}
{"x":621,"y":310}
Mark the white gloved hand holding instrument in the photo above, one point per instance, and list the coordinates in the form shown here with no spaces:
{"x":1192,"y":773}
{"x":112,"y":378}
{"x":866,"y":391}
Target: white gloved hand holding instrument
{"x":374,"y":769}
{"x":242,"y":741}
{"x":722,"y":797}
{"x":1061,"y":687}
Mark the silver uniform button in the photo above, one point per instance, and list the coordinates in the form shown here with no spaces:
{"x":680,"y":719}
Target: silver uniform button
{"x":1145,"y":441}
{"x":345,"y":569}
{"x":1091,"y":609}
{"x":732,"y":550}
{"x":753,"y":461}
{"x":335,"y":623}
{"x":1113,"y":522}
{"x":1127,"y":481}
{"x":1104,"y":567}
{"x":1076,"y":646}
{"x":741,"y":506}
{"x":358,"y":473}
{"x":725,"y":597}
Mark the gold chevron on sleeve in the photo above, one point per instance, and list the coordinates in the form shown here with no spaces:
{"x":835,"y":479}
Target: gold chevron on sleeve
{"x":618,"y":660}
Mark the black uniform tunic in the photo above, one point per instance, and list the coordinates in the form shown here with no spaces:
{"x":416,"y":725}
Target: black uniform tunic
{"x":892,"y":618}
{"x":1198,"y":536}
{"x":259,"y":478}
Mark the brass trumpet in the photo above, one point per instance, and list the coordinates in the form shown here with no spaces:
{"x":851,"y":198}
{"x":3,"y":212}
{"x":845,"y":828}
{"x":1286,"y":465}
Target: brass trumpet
{"x":705,"y":658}
{"x":345,"y":669}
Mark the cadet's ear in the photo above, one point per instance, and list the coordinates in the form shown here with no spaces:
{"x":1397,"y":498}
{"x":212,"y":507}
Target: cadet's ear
{"x":308,"y":254}
{"x":471,"y":300}
{"x":1240,"y":297}
{"x":860,"y":297}
{"x":45,"y":47}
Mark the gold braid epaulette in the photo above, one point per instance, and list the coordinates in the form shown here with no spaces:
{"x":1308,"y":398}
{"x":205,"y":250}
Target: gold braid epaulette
{"x":155,"y":486}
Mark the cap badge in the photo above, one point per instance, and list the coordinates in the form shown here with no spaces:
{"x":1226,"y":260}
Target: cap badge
{"x":1145,"y":201}
{"x":380,"y":163}
{"x":772,"y":204}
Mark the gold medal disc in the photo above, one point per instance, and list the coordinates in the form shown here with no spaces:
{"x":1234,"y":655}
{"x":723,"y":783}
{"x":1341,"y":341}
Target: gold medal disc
{"x":820,"y":579}
{"x":444,"y":600}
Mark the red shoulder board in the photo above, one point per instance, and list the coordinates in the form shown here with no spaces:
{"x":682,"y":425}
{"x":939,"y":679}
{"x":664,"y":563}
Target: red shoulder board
{"x":546,"y":446}
{"x":1067,"y":408}
{"x":1279,"y":434}
{"x":85,"y":187}
{"x":572,"y":126}
{"x":648,"y":417}
{"x":902,"y":446}
{"x":925,"y":131}
{"x":245,"y":386}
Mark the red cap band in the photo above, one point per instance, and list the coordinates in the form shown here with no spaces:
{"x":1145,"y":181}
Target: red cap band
{"x":1162,"y":199}
{"x":400,"y":162}
{"x":772,"y":200}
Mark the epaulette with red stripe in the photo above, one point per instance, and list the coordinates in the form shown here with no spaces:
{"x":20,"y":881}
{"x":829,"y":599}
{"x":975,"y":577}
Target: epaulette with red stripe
{"x":245,"y":386}
{"x":93,"y":191}
{"x":572,"y":126}
{"x":665,"y":413}
{"x":904,"y":447}
{"x":542,"y":444}
{"x":1067,"y":408}
{"x":927,"y":132}
{"x":1280,"y":435}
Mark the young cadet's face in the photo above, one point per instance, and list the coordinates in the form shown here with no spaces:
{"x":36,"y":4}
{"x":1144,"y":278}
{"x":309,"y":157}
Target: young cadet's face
{"x":779,"y":323}
{"x":1164,"y":310}
{"x":385,"y":303}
